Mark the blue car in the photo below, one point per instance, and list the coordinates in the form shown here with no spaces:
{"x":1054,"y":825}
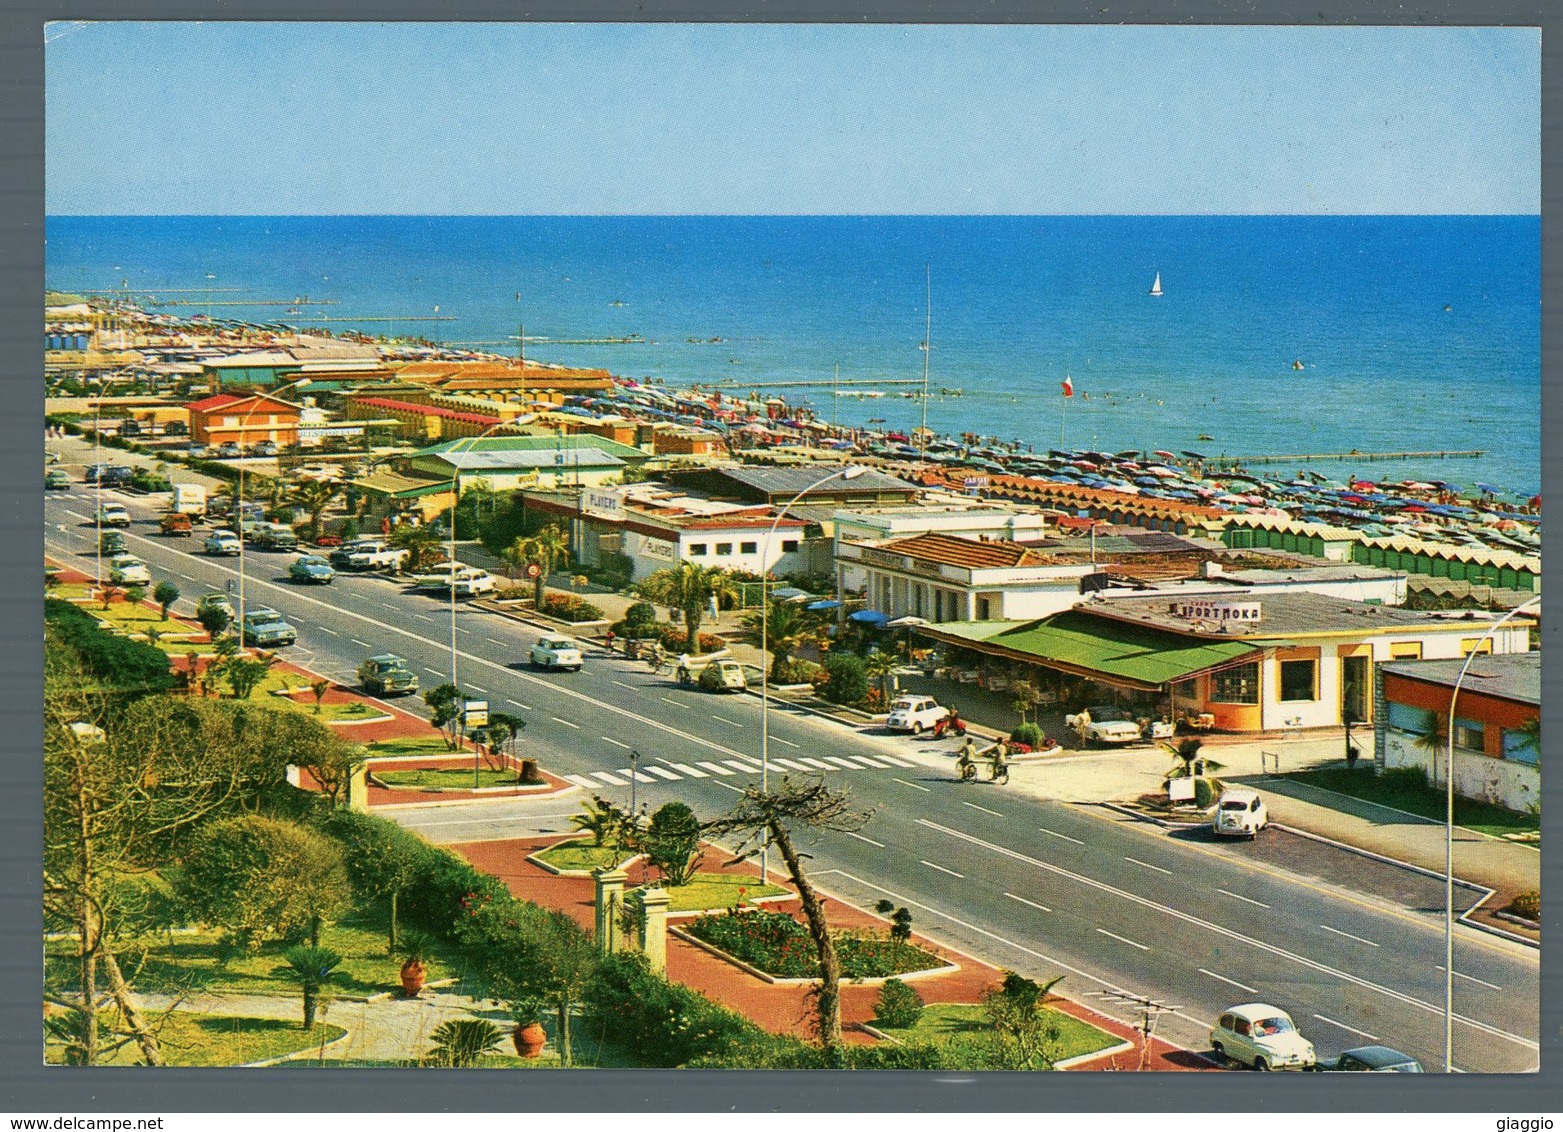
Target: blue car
{"x":311,"y":568}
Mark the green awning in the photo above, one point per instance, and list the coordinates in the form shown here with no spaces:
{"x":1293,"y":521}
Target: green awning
{"x":1099,"y":648}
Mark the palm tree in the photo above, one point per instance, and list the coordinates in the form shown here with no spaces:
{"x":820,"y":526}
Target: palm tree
{"x":689,"y":588}
{"x":461,"y":1042}
{"x":786,"y":626}
{"x":1184,"y":755}
{"x":881,"y":666}
{"x":312,"y":968}
{"x":546,"y":548}
{"x":423,"y":545}
{"x":313,"y":496}
{"x":526,"y":552}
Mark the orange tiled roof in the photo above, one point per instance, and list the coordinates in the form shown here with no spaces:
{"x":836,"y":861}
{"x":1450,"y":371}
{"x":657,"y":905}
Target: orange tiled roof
{"x":427,"y":410}
{"x":951,"y":550}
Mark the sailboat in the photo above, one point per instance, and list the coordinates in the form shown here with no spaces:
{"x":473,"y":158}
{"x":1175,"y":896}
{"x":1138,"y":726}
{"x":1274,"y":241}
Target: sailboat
{"x":1156,"y":286}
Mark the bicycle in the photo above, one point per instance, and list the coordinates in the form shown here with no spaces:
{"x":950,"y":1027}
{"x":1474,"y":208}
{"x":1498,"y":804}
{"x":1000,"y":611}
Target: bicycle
{"x":967,"y":771}
{"x":998,"y":775}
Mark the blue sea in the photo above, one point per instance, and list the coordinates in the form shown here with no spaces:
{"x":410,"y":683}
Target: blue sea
{"x":1414,"y":333}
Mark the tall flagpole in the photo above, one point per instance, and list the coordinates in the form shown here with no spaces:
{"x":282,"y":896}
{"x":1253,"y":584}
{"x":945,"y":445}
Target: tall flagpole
{"x":1063,"y":414}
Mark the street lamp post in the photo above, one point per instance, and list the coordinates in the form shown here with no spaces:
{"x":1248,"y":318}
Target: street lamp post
{"x":851,"y":472}
{"x":238,"y":502}
{"x":455,"y":500}
{"x":1449,"y":829}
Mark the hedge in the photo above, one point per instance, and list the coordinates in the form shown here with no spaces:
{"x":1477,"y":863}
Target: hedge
{"x":117,"y":661}
{"x":568,"y":607}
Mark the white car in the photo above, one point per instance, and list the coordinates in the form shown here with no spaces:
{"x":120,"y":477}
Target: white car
{"x":1262,"y":1036}
{"x":467,"y":581}
{"x":1104,"y":724}
{"x":915,"y":714}
{"x":557,"y":652}
{"x":221,"y":542}
{"x":113,"y":515}
{"x":128,"y":570}
{"x":1240,"y":812}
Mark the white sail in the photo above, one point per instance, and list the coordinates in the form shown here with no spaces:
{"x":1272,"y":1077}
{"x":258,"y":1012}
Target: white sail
{"x":1156,"y":286}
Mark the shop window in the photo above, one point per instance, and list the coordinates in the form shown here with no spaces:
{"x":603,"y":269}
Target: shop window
{"x":789,"y":545}
{"x":1297,"y":681}
{"x":749,"y":547}
{"x":1405,"y":650}
{"x":697,"y":550}
{"x":724,"y":549}
{"x":1410,"y":720}
{"x":1236,"y":685}
{"x":1469,"y":735}
{"x":1522,"y":746}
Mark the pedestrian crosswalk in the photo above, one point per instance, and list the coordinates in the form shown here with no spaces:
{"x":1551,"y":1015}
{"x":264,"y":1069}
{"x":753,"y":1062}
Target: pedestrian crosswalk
{"x":654,"y":774}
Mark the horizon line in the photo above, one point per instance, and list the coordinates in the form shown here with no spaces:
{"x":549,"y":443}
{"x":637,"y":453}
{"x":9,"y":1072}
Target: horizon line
{"x":769,"y":215}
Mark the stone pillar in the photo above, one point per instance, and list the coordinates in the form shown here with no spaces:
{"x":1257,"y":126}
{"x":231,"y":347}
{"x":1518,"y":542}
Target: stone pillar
{"x":358,"y":788}
{"x":609,"y":900}
{"x":652,"y":928}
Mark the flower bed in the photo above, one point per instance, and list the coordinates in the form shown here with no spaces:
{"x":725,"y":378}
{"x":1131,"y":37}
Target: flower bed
{"x":780,"y":946}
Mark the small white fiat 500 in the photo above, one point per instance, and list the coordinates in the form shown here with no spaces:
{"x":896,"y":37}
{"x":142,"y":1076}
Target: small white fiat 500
{"x":1262,"y":1036}
{"x":1239,"y":813}
{"x":914,"y":714}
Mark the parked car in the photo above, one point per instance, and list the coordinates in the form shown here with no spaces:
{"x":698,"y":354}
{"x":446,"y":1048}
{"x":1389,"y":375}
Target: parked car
{"x":56,"y":479}
{"x":198,"y":451}
{"x":229,"y":451}
{"x":387,"y":675}
{"x":1370,"y":1059}
{"x":1262,"y":1036}
{"x":369,"y":554}
{"x":723,"y":676}
{"x":128,"y":570}
{"x":1240,"y":812}
{"x":113,"y":515}
{"x":111,"y":542}
{"x":266,"y":628}
{"x":311,"y":568}
{"x":269,"y":536}
{"x":214,"y":600}
{"x":915,"y":714}
{"x":557,"y":653}
{"x":1104,"y":724}
{"x":221,"y":542}
{"x":264,"y":448}
{"x":466,"y":581}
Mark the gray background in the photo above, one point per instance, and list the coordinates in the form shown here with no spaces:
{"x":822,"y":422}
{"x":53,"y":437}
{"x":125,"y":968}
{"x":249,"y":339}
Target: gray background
{"x":25,"y":1084}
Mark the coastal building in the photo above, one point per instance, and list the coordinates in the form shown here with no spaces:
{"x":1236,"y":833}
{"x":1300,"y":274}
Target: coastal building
{"x":1117,"y":507}
{"x":775,"y":487}
{"x":509,"y":463}
{"x":327,"y":360}
{"x":1497,"y":737}
{"x":655,"y":526}
{"x":1249,"y":662}
{"x":504,"y":378}
{"x":420,"y":423}
{"x":229,"y":418}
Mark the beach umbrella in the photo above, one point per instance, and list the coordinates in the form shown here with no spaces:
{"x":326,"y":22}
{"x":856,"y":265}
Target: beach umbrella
{"x":869,"y":617}
{"x":1488,"y":488}
{"x":821,"y":606}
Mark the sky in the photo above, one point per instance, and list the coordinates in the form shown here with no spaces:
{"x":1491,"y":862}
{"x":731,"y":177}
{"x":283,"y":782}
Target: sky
{"x":686,"y":119}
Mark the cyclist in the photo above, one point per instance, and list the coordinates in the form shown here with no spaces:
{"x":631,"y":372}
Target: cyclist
{"x":654,"y":655}
{"x":966,"y":761}
{"x":608,"y":640}
{"x":1000,"y":771}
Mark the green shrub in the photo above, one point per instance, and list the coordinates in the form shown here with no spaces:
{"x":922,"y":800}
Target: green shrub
{"x":664,"y":1024}
{"x":796,"y":671}
{"x":1207,"y":790}
{"x":899,"y":1006}
{"x":1027,"y":733}
{"x":1408,"y":778}
{"x":117,"y":661}
{"x":568,"y":607}
{"x":1527,"y":905}
{"x":848,"y":678}
{"x":641,"y":613}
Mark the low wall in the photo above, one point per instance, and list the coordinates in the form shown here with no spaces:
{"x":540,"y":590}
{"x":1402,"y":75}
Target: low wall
{"x":1501,"y":782}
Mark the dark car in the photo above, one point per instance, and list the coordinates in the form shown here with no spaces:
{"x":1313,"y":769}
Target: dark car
{"x":229,"y":451}
{"x":387,"y":675}
{"x":1370,"y":1059}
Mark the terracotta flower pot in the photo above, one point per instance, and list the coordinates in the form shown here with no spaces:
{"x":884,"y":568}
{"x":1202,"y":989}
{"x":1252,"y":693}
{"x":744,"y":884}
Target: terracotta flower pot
{"x":529,"y":1039}
{"x":413,"y":975}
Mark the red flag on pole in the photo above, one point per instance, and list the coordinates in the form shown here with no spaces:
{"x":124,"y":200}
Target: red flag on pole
{"x":1069,"y":387}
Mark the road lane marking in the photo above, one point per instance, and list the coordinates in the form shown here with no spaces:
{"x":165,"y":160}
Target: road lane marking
{"x":1028,"y":903}
{"x":615,"y":742}
{"x":746,"y":768}
{"x":579,"y":781}
{"x":875,"y":763}
{"x":816,"y":764}
{"x":360,"y":644}
{"x":186,"y":577}
{"x":660,"y":773}
{"x":984,"y":809}
{"x":675,"y":703}
{"x":730,"y":786}
{"x":789,"y":742}
{"x":1121,"y":939}
{"x":1147,"y":865}
{"x":1245,"y":899}
{"x":566,"y":722}
{"x":435,"y":671}
{"x":608,"y":778}
{"x":323,"y":629}
{"x":913,"y":785}
{"x":636,"y":775}
{"x":860,"y":837}
{"x":1348,"y":1029}
{"x":792,"y":765}
{"x":519,"y":704}
{"x":1348,"y":935}
{"x":388,"y":605}
{"x":626,"y":687}
{"x":942,"y":869}
{"x":689,"y":770}
{"x":492,"y":641}
{"x":459,"y":628}
{"x":1231,"y":982}
{"x":357,"y":597}
{"x":724,"y":719}
{"x":1227,"y":933}
{"x":893,"y":761}
{"x":721,"y":770}
{"x":841,"y":762}
{"x":419,"y":616}
{"x":1472,"y":978}
{"x":475,"y":688}
{"x":1060,"y":836}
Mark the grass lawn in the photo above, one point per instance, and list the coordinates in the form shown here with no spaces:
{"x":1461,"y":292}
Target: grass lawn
{"x":192,"y":961}
{"x":952,"y":1026}
{"x":455,"y":778}
{"x":190,"y":1039}
{"x":422,"y":745}
{"x":1410,"y":792}
{"x":583,"y":856}
{"x":708,"y":892}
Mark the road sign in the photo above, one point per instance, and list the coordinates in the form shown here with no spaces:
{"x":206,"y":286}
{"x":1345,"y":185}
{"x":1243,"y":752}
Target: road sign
{"x":533,"y":570}
{"x":475,"y":713}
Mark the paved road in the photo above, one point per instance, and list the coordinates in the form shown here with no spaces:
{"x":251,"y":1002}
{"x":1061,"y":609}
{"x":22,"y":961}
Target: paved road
{"x":1021,"y":882}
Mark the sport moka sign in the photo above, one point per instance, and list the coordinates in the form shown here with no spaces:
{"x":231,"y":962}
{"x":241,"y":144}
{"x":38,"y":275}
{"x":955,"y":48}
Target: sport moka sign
{"x":1216,"y":610}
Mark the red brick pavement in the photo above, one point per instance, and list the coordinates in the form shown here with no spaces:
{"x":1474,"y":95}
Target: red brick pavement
{"x":781,"y":1008}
